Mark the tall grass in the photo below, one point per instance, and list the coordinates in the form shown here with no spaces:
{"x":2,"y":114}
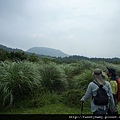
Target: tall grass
{"x":82,"y":80}
{"x":74,"y":69}
{"x":17,"y":80}
{"x":22,"y":79}
{"x":53,"y":77}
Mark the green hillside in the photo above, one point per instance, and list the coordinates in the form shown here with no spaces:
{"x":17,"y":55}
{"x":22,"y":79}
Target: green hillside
{"x":46,"y":85}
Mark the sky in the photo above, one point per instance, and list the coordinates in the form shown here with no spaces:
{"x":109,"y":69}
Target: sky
{"x":88,"y":28}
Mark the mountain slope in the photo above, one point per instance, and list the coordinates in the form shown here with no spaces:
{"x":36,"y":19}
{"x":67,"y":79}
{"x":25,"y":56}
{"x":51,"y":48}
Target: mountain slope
{"x":10,"y":49}
{"x":47,"y":51}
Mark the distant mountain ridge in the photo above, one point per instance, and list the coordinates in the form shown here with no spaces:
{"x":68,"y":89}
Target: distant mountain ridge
{"x":47,"y":51}
{"x":67,"y":58}
{"x":39,"y":51}
{"x":10,"y":49}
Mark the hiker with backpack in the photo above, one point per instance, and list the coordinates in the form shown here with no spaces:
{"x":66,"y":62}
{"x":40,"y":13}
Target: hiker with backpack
{"x":100,"y":92}
{"x":111,"y":73}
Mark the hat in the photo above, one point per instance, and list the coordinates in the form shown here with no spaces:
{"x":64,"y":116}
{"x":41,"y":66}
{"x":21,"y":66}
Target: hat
{"x":111,"y":70}
{"x":98,"y":71}
{"x":99,"y":76}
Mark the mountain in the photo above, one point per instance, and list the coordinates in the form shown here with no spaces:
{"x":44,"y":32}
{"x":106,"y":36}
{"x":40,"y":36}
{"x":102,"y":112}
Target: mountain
{"x":42,"y":51}
{"x":10,"y":49}
{"x":47,"y":51}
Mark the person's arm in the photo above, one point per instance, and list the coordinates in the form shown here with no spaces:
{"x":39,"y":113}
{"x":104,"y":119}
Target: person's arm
{"x":88,"y":93}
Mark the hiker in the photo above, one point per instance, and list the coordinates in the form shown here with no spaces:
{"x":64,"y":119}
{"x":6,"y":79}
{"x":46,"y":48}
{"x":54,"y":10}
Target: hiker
{"x":111,"y":73}
{"x":99,"y":79}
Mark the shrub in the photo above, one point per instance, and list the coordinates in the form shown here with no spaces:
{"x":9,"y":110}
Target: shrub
{"x":87,"y":65}
{"x":39,"y":100}
{"x":73,"y":69}
{"x":68,"y":68}
{"x":17,"y":80}
{"x":53,"y":77}
{"x":72,"y":97}
{"x":82,"y":80}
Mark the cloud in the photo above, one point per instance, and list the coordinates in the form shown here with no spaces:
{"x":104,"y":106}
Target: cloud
{"x":83,"y":27}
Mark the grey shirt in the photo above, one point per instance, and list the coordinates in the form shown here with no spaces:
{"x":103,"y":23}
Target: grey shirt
{"x":92,"y":91}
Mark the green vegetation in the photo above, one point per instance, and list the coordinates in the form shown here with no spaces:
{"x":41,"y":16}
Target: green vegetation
{"x":17,"y":56}
{"x":45,"y":85}
{"x":17,"y":80}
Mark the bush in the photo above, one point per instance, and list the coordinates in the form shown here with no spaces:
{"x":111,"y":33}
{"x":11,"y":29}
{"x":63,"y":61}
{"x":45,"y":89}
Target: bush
{"x":82,"y":80}
{"x":17,"y":80}
{"x":53,"y":77}
{"x":73,"y":69}
{"x":72,"y":97}
{"x":40,"y":100}
{"x":44,"y":99}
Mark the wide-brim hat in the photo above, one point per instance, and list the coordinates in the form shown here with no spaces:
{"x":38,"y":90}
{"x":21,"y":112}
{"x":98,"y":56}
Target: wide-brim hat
{"x":99,"y":76}
{"x":98,"y":72}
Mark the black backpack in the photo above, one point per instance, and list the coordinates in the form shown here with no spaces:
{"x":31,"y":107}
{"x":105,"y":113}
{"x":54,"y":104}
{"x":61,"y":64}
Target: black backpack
{"x":101,"y":98}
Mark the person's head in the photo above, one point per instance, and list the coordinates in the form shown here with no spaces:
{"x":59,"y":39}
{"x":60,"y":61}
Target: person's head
{"x":99,"y":76}
{"x":111,"y":72}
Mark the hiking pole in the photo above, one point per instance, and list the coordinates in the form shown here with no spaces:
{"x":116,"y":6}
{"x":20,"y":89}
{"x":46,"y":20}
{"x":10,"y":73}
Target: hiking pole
{"x":82,"y":107}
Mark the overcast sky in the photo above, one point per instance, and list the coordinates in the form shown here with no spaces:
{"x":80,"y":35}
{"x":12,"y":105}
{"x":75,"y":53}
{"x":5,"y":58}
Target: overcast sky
{"x":77,"y":27}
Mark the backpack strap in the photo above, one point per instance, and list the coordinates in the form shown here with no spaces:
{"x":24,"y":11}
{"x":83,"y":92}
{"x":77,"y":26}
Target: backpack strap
{"x":96,"y":83}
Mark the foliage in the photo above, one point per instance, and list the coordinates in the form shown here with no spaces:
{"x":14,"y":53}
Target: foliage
{"x":17,"y":56}
{"x":77,"y":58}
{"x":40,"y":100}
{"x":53,"y":78}
{"x":74,"y":69}
{"x":69,"y":69}
{"x":53,"y":109}
{"x":3,"y":55}
{"x":82,"y":80}
{"x":32,"y":58}
{"x":72,"y":97}
{"x":45,"y":80}
{"x":17,"y":80}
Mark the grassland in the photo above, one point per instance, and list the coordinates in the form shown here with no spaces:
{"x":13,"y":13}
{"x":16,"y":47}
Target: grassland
{"x":46,"y":87}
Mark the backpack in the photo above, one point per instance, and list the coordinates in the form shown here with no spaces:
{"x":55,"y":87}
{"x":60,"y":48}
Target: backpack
{"x":118,"y":92}
{"x":101,"y":98}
